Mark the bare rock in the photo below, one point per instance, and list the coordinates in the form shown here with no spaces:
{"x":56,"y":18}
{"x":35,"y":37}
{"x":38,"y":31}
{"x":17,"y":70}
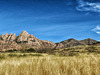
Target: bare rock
{"x":59,"y":45}
{"x":23,"y":37}
{"x":4,"y":37}
{"x":13,"y":37}
{"x":4,"y":45}
{"x":48,"y":44}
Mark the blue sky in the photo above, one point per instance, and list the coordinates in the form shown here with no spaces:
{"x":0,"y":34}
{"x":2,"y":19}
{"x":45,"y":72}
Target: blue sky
{"x":53,"y":20}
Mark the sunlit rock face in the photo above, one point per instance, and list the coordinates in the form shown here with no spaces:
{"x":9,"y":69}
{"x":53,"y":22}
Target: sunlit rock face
{"x":23,"y":37}
{"x":4,"y":37}
{"x":48,"y":44}
{"x":7,"y":37}
{"x":59,"y":46}
{"x":33,"y":42}
{"x":24,"y":41}
{"x":9,"y":45}
{"x":29,"y":40}
{"x":8,"y":42}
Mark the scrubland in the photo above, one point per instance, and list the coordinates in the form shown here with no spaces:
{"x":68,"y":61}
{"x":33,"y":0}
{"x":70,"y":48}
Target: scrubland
{"x":50,"y":65}
{"x":83,"y":63}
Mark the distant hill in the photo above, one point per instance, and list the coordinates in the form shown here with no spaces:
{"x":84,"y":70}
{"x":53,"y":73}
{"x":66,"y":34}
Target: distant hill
{"x":71,"y":42}
{"x":89,"y":41}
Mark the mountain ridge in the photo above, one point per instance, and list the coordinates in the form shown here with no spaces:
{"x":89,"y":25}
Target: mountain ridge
{"x":26,"y":40}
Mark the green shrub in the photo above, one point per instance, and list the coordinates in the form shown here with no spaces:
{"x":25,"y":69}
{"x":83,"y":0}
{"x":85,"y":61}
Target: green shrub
{"x":27,"y":50}
{"x":72,"y":54}
{"x":22,"y":55}
{"x":35,"y":54}
{"x":91,"y":49}
{"x":66,"y":54}
{"x":14,"y":50}
{"x":12,"y":55}
{"x":41,"y":51}
{"x":31,"y":50}
{"x":2,"y":56}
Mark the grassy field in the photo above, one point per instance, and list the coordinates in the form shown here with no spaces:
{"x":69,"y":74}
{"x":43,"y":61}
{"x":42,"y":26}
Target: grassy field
{"x":44,"y":64}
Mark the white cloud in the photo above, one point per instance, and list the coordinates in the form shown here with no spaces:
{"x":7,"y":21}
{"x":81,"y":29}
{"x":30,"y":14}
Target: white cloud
{"x":88,"y":6}
{"x":97,"y":29}
{"x":98,"y":32}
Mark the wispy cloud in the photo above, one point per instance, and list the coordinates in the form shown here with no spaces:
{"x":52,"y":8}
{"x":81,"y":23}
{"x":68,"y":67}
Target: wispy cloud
{"x":88,"y":6}
{"x":97,"y":29}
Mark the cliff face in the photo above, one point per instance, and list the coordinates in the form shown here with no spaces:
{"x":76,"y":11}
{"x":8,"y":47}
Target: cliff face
{"x":48,"y":44}
{"x":26,"y":41}
{"x":8,"y":42}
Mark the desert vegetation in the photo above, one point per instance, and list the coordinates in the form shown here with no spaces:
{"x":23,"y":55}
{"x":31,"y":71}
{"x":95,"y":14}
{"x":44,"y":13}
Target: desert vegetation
{"x":41,"y":64}
{"x":78,"y":60}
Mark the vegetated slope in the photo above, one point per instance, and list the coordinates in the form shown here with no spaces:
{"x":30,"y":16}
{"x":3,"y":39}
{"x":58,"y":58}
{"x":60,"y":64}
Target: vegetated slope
{"x":89,"y":41}
{"x":71,"y":42}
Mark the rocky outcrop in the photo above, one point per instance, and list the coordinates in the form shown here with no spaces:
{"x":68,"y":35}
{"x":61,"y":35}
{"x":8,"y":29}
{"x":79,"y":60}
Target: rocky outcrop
{"x":4,"y":46}
{"x":23,"y":37}
{"x":4,"y":37}
{"x":8,"y":42}
{"x":7,"y":37}
{"x":13,"y":37}
{"x":29,"y":40}
{"x":59,"y":45}
{"x":89,"y":41}
{"x":48,"y":44}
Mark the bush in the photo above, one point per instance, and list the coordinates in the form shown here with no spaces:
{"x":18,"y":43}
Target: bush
{"x":91,"y":49}
{"x":2,"y":56}
{"x":35,"y":54}
{"x":66,"y":54}
{"x":31,"y":50}
{"x":41,"y":51}
{"x":72,"y":54}
{"x":12,"y":55}
{"x":48,"y":51}
{"x":22,"y":55}
{"x":27,"y":50}
{"x":12,"y":50}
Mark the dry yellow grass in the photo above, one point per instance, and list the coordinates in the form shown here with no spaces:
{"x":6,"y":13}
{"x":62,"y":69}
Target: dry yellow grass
{"x":51,"y":65}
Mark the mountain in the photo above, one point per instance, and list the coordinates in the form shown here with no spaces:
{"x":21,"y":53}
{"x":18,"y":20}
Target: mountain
{"x":69,"y":43}
{"x":26,"y":41}
{"x":89,"y":41}
{"x":23,"y":41}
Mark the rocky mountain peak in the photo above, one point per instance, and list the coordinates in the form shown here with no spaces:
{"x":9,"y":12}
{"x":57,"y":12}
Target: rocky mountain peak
{"x":11,"y":34}
{"x":24,"y":33}
{"x":2,"y":35}
{"x":6,"y":34}
{"x":23,"y":36}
